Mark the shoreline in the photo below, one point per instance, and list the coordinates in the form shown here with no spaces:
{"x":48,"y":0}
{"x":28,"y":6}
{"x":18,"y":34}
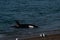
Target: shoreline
{"x":47,"y":37}
{"x":53,"y":34}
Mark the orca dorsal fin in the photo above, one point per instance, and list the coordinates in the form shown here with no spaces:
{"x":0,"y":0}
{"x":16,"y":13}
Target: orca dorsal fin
{"x":17,"y":22}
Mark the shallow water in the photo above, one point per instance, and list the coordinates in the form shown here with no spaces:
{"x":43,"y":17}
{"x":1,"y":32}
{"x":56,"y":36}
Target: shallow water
{"x":43,"y":13}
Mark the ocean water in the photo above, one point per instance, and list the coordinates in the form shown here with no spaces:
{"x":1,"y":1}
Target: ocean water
{"x":43,"y":13}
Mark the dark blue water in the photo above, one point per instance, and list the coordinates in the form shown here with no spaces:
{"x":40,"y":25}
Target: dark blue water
{"x":43,"y":13}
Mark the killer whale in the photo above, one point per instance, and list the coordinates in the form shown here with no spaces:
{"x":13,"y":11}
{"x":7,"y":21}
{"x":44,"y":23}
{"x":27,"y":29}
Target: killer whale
{"x":18,"y":25}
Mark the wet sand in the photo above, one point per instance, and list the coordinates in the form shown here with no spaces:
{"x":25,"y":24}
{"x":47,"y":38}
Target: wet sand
{"x":52,"y":35}
{"x":47,"y":37}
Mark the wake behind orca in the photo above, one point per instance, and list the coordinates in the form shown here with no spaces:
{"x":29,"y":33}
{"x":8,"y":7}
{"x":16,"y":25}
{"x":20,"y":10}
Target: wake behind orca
{"x":18,"y":25}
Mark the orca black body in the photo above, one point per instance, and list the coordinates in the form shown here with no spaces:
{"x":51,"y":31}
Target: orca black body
{"x":18,"y":25}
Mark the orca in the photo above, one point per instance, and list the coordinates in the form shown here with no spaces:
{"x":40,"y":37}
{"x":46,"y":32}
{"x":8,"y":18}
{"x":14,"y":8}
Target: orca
{"x":18,"y":25}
